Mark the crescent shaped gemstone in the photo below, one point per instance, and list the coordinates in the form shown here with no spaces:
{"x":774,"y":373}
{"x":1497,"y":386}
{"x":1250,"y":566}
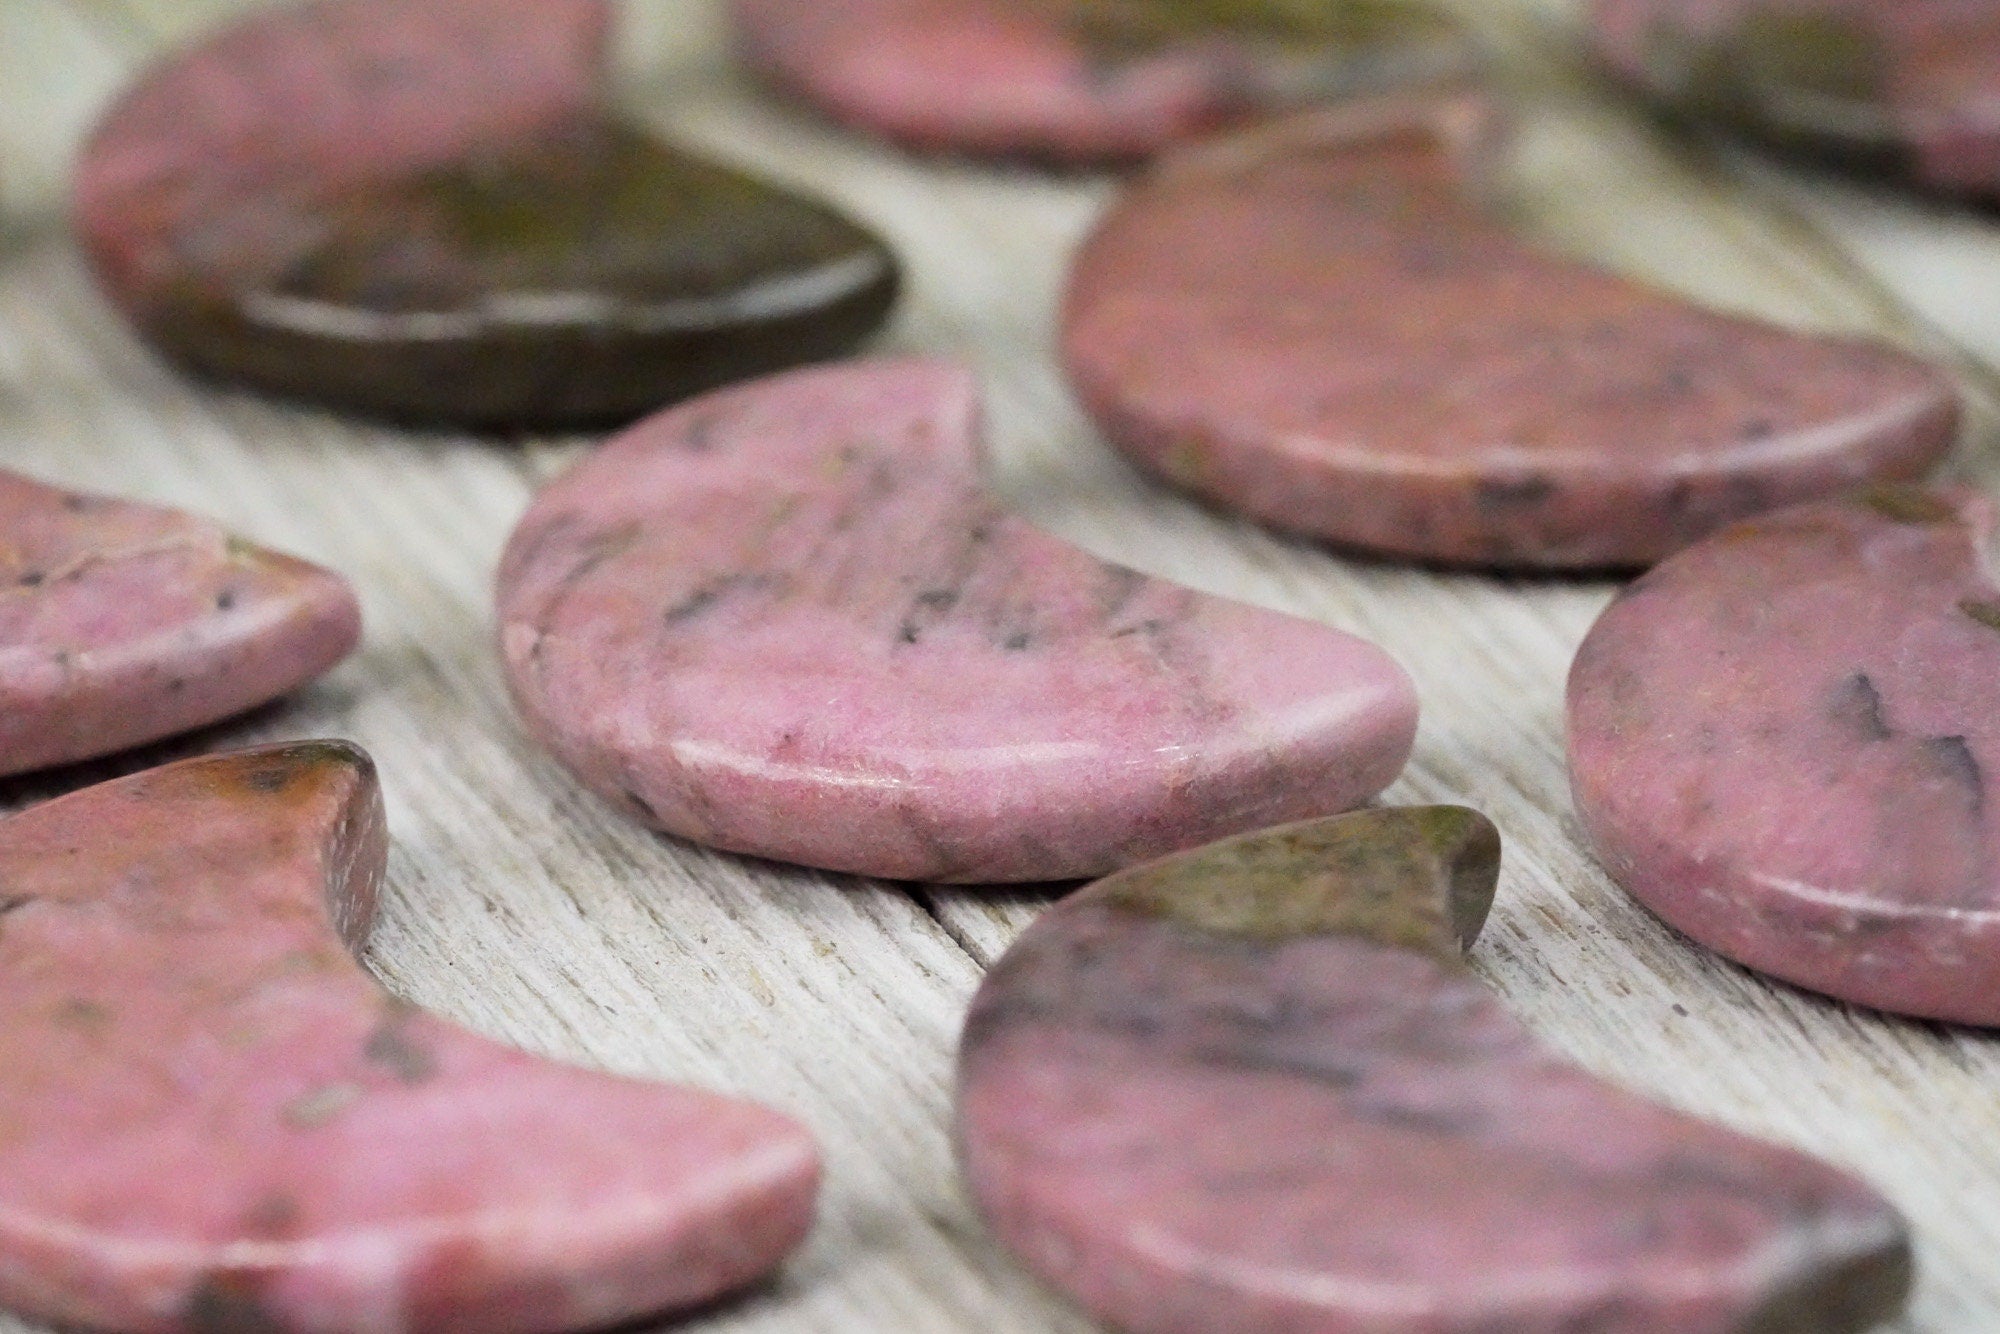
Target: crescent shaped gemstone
{"x":788,"y":619}
{"x":1782,"y":741}
{"x":213,"y":1119}
{"x":123,"y":623}
{"x":1255,"y":1088}
{"x":426,"y":211}
{"x":1319,"y":325}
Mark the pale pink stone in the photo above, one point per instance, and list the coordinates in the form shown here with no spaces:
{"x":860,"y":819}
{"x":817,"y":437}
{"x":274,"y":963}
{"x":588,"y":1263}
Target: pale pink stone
{"x":198,"y":174}
{"x":123,"y":623}
{"x":211,"y":1119}
{"x":1319,"y":324}
{"x":1783,"y":740}
{"x":1254,"y":1090}
{"x":788,"y":619}
{"x":999,"y":77}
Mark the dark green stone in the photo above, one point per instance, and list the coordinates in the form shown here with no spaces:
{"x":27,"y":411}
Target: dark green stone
{"x":1906,"y":504}
{"x":1309,"y":23}
{"x":586,"y":278}
{"x":1420,"y":878}
{"x":1809,"y":80}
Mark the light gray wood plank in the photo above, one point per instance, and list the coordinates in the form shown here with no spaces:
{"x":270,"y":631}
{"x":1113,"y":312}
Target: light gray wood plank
{"x":518,"y":905}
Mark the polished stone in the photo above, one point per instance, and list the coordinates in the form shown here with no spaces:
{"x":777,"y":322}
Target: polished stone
{"x":1255,"y":1088}
{"x":1086,"y":81}
{"x":788,"y":619}
{"x":1782,"y":741}
{"x":1910,"y":87}
{"x":123,"y":623}
{"x":1318,"y":324}
{"x":213,"y":1120}
{"x":421,"y":210}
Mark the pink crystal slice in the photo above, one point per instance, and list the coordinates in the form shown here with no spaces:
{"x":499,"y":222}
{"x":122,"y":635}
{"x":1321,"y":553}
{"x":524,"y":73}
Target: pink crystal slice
{"x":788,"y":619}
{"x":212,"y":1119}
{"x":123,"y":623}
{"x":1782,"y":742}
{"x":1318,"y":325}
{"x":1255,"y":1088}
{"x":1083,"y":80}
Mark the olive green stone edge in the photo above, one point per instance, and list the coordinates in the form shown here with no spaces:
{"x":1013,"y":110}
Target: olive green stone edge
{"x":1418,"y":878}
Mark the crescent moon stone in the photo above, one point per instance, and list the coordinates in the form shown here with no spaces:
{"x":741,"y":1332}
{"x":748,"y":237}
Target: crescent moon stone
{"x":1782,"y":741}
{"x":1318,"y":325}
{"x":1255,"y":1088}
{"x":212,"y":1118}
{"x":425,"y":210}
{"x":123,"y":623}
{"x":1085,"y":81}
{"x":1906,"y":87}
{"x":788,"y":619}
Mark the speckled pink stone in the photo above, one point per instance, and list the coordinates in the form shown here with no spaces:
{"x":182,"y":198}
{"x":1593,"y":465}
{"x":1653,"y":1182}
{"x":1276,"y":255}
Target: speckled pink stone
{"x":123,"y":623}
{"x":202,"y":175}
{"x":1782,"y":741}
{"x":788,"y":619}
{"x":212,"y":1120}
{"x":1254,"y":1089}
{"x":996,"y":77}
{"x":1319,"y":326}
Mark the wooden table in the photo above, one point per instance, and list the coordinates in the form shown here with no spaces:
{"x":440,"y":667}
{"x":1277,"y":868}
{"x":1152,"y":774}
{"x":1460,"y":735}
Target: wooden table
{"x":521,"y":906}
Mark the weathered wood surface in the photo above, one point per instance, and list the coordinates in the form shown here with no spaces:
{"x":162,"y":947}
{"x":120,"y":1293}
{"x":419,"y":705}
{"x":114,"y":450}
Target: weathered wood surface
{"x":522,"y":907}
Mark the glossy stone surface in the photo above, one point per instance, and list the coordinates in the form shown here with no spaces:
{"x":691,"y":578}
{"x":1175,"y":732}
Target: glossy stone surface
{"x":1254,"y":1088}
{"x":123,"y":623}
{"x":1783,"y":740}
{"x":1086,"y":80}
{"x":1911,"y":86}
{"x":1319,"y":325}
{"x":421,"y":210}
{"x":788,"y":619}
{"x":213,"y":1120}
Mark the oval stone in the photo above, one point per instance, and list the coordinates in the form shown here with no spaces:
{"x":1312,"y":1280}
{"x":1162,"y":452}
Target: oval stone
{"x":122,"y":624}
{"x":1782,"y":741}
{"x":1318,"y":324}
{"x":215,"y":1120}
{"x":1255,"y":1088}
{"x":1084,"y":81}
{"x":1907,"y":88}
{"x":423,"y":211}
{"x":788,"y":619}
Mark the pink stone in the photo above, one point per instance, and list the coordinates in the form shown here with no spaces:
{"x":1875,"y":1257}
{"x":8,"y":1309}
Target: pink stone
{"x":201,"y":170}
{"x":1782,"y":742}
{"x":122,"y":624}
{"x":212,"y":1119}
{"x":1078,"y":80}
{"x":1910,"y":85}
{"x":1318,"y":326}
{"x":788,"y":619}
{"x":1255,"y":1089}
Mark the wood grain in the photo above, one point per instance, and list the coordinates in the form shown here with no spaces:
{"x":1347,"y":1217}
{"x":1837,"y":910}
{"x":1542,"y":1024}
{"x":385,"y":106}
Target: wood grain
{"x":520,"y":906}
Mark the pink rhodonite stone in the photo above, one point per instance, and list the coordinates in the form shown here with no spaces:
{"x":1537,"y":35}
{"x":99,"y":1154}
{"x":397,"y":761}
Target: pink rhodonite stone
{"x":1255,"y":1089}
{"x":1782,"y":742}
{"x":123,"y":623}
{"x":788,"y":619}
{"x":1085,"y":80}
{"x":1317,"y":324}
{"x":212,"y":1119}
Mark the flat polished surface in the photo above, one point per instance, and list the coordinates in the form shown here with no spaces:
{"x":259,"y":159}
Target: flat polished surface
{"x":518,"y":903}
